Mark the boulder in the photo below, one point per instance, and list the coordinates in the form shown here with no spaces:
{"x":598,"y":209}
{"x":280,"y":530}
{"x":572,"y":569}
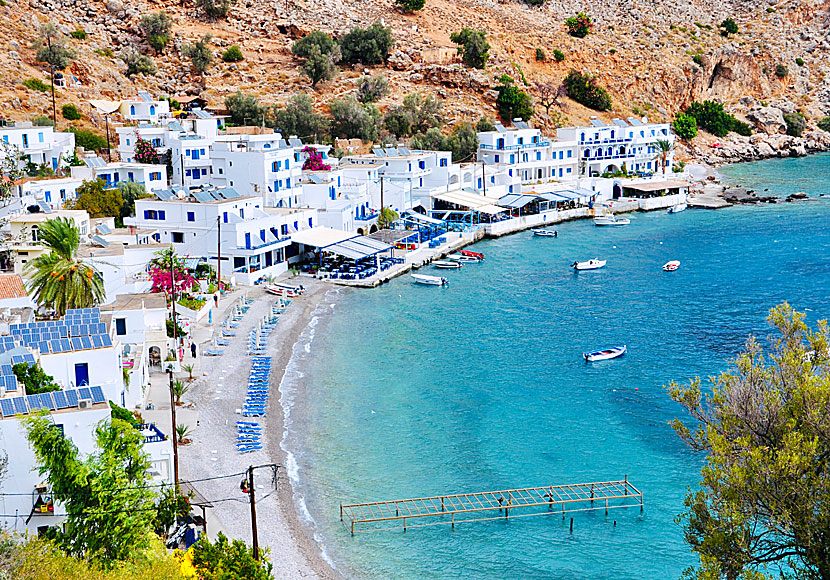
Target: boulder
{"x":115,"y":6}
{"x":770,"y":120}
{"x":764,"y":149}
{"x":399,"y":60}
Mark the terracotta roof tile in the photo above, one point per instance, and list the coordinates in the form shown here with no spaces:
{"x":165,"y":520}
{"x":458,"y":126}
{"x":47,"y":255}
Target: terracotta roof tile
{"x":11,"y":286}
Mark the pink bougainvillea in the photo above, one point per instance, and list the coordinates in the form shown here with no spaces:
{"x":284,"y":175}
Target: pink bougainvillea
{"x":160,"y":274}
{"x":314,"y":161}
{"x":145,"y":152}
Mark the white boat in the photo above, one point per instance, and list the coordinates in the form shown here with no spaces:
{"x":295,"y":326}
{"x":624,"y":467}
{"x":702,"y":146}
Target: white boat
{"x":678,"y":208}
{"x":281,"y":291}
{"x":671,"y":266}
{"x":430,"y":280}
{"x":464,"y":259}
{"x":447,"y":264}
{"x":589,"y":265}
{"x":610,"y":220}
{"x":546,"y":233}
{"x":604,"y":354}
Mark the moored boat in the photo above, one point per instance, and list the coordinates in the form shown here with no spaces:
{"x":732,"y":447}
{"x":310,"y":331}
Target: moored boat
{"x":678,"y":208}
{"x":447,"y":264}
{"x":430,"y":280}
{"x":589,"y":265}
{"x":671,"y":266}
{"x":610,"y":220}
{"x":464,"y":259}
{"x":604,"y":354}
{"x":472,"y":254}
{"x":545,"y":233}
{"x":281,"y":291}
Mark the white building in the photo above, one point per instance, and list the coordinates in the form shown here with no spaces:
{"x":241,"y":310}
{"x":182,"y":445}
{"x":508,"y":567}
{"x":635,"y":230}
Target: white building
{"x":323,"y":191}
{"x":52,"y":192}
{"x":255,"y":239}
{"x":260,"y":165}
{"x":623,"y":146}
{"x":190,"y":157}
{"x":144,"y":108}
{"x":152,"y":176}
{"x":42,"y":145}
{"x":524,"y":153}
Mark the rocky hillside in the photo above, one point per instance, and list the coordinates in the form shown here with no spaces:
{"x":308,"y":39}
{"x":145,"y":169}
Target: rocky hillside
{"x":641,"y":50}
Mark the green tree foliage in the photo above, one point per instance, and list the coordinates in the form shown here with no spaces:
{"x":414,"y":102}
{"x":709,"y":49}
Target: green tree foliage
{"x":117,"y":412}
{"x":463,"y":141}
{"x":172,"y":506}
{"x":781,"y":71}
{"x":580,"y":25}
{"x":352,"y":119}
{"x":664,"y":148}
{"x":372,"y":88}
{"x":799,"y":61}
{"x":70,"y":112}
{"x":417,"y":114}
{"x":51,"y":48}
{"x":728,"y":27}
{"x":244,"y":108}
{"x":410,"y":5}
{"x":298,"y":118}
{"x":558,"y":55}
{"x":137,"y":62}
{"x":432,"y":140}
{"x":586,"y":90}
{"x":43,"y":121}
{"x":824,"y":124}
{"x":226,"y":560}
{"x":711,"y":117}
{"x":321,"y":53}
{"x":765,"y":489}
{"x":37,"y":85}
{"x":302,"y":48}
{"x":58,"y":279}
{"x":216,"y":8}
{"x":110,"y":509}
{"x":10,"y":170}
{"x":685,"y":126}
{"x":156,"y":28}
{"x":796,"y":123}
{"x":96,"y":200}
{"x":484,"y":124}
{"x":78,"y":34}
{"x":386,"y":217}
{"x":472,"y":46}
{"x":367,"y":45}
{"x":34,"y":379}
{"x":540,"y":55}
{"x":233,"y":54}
{"x":131,"y":191}
{"x":512,"y":102}
{"x":199,"y":53}
{"x":87,"y":139}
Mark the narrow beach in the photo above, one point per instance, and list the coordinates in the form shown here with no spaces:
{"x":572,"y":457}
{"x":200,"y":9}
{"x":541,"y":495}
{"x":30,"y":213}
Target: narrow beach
{"x":217,"y":395}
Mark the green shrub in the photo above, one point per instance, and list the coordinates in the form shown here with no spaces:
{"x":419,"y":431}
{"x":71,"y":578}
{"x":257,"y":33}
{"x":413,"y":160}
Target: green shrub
{"x":796,"y":123}
{"x":580,"y":25}
{"x":484,"y":124}
{"x":372,"y":88}
{"x":586,"y":90}
{"x":87,"y":139}
{"x":612,"y":51}
{"x":321,"y":52}
{"x":215,"y":8}
{"x":297,"y":117}
{"x":79,"y":34}
{"x":540,"y":55}
{"x":43,"y":121}
{"x":558,"y":55}
{"x":512,"y":102}
{"x":367,"y":45}
{"x":799,"y":61}
{"x":770,"y":9}
{"x":233,"y":54}
{"x":534,"y":2}
{"x":70,"y":112}
{"x":410,"y":5}
{"x":318,"y":38}
{"x":199,"y":53}
{"x":711,"y":117}
{"x":417,"y":114}
{"x":105,"y":52}
{"x":685,"y":126}
{"x":34,"y":379}
{"x":156,"y":28}
{"x":472,"y":46}
{"x":781,"y":71}
{"x":698,"y":59}
{"x":244,"y":108}
{"x":352,"y":119}
{"x":36,"y":85}
{"x":137,"y":62}
{"x":824,"y":124}
{"x":728,"y":27}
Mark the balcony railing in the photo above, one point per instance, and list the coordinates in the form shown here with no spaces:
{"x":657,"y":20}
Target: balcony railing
{"x":152,"y":434}
{"x":367,"y":217}
{"x":261,"y":244}
{"x":604,"y":141}
{"x":514,"y":147}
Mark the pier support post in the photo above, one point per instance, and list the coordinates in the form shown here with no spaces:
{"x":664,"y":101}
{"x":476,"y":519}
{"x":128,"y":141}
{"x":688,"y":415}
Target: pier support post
{"x":452,"y":520}
{"x":442,"y":504}
{"x":572,"y":525}
{"x":353,"y":527}
{"x":404,"y":524}
{"x":341,"y":512}
{"x":606,"y":507}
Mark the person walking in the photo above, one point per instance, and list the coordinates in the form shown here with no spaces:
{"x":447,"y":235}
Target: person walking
{"x":193,"y":349}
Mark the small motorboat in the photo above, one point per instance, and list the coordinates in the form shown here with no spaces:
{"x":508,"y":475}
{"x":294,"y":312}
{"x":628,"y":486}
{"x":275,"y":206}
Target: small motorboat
{"x":298,"y":290}
{"x":610,"y":220}
{"x":594,"y":264}
{"x":281,"y":291}
{"x":464,"y":259}
{"x":430,"y":280}
{"x":472,"y":254}
{"x":447,"y":264}
{"x":671,"y":266}
{"x":604,"y":354}
{"x":678,"y":208}
{"x":546,"y":233}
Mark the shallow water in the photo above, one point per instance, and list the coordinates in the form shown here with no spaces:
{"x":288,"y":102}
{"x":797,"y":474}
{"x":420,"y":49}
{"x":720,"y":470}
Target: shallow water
{"x":415,"y":391}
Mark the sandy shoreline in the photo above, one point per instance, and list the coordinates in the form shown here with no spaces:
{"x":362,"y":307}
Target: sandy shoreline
{"x":217,"y":396}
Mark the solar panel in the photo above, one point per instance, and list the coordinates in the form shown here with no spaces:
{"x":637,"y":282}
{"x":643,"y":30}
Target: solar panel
{"x":228,"y":192}
{"x":3,"y":348}
{"x":202,"y":196}
{"x":44,"y":207}
{"x":55,"y":346}
{"x":6,"y":370}
{"x":76,"y":344}
{"x":404,"y":150}
{"x":521,"y":125}
{"x":46,"y":401}
{"x":83,"y":393}
{"x":96,"y":341}
{"x":95,"y":162}
{"x":99,"y":241}
{"x":17,"y":359}
{"x":11,"y":383}
{"x":98,"y":395}
{"x":60,"y":399}
{"x":390,"y":152}
{"x":20,"y":406}
{"x":86,"y":342}
{"x":72,"y":397}
{"x":43,"y":347}
{"x":145,"y":96}
{"x":201,"y":113}
{"x":29,"y":358}
{"x":107,"y":340}
{"x":83,"y":330}
{"x":66,"y":346}
{"x":34,"y":402}
{"x":500,"y":128}
{"x":6,"y":407}
{"x":378,"y":152}
{"x":64,"y":331}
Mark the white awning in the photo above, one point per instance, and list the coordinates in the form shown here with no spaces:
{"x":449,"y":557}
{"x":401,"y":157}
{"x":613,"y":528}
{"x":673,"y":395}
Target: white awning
{"x":321,"y":237}
{"x":471,"y":200}
{"x":105,"y":107}
{"x":515,"y":200}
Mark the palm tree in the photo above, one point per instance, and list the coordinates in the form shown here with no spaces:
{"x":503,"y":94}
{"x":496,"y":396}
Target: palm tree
{"x":179,"y":389}
{"x":182,"y":431}
{"x":664,"y":147}
{"x":189,"y":370}
{"x":58,"y":278}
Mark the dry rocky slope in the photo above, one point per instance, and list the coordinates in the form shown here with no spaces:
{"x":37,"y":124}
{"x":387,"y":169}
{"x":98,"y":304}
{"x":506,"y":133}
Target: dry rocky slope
{"x":641,"y":50}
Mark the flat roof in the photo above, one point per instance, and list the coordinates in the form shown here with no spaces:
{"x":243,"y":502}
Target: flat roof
{"x":656,"y":185}
{"x":471,"y":200}
{"x":136,"y":302}
{"x":321,"y":237}
{"x":391,"y":236}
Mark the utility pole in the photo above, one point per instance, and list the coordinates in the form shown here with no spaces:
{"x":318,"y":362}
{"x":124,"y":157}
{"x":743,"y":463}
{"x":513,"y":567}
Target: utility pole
{"x":252,"y":493}
{"x":381,"y":194}
{"x":173,"y":295}
{"x":181,"y":155}
{"x":484,"y":178}
{"x":173,"y":433}
{"x":219,"y":254}
{"x":52,"y":72}
{"x":107,"y":123}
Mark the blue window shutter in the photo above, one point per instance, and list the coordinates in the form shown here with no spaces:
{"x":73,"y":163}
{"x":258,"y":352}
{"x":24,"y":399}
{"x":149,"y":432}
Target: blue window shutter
{"x":146,"y":214}
{"x":225,"y":217}
{"x":161,"y":214}
{"x":247,"y":240}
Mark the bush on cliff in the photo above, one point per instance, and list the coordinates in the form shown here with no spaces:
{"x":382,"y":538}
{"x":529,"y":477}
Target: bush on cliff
{"x":367,"y":45}
{"x":711,"y":117}
{"x":472,"y":46}
{"x":580,"y":25}
{"x":685,"y":126}
{"x":824,"y":124}
{"x":586,"y":90}
{"x":796,"y":123}
{"x":410,"y":5}
{"x":512,"y":102}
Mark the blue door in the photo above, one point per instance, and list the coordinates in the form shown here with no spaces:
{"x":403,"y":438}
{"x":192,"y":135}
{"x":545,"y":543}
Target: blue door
{"x":81,"y":374}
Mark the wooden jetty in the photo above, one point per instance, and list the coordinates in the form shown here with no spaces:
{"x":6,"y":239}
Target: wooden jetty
{"x":490,"y":505}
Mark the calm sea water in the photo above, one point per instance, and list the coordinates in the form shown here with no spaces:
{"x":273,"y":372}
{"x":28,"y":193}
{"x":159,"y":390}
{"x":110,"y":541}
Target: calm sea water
{"x":413,"y":390}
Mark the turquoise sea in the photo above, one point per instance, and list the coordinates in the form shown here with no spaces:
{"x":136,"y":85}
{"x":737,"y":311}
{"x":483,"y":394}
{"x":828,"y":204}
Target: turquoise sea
{"x":410,"y":391}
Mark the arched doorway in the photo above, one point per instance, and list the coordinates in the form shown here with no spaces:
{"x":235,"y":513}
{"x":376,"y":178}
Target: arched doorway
{"x":361,"y":232}
{"x":617,"y":191}
{"x":373,"y":228}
